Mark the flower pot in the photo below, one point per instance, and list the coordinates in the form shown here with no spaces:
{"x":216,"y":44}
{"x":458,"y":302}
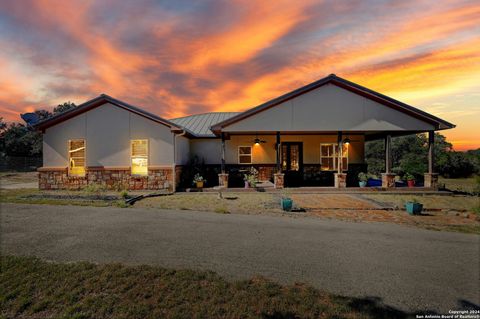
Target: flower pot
{"x":411,"y":183}
{"x":287,"y":204}
{"x":414,"y":208}
{"x":247,"y":185}
{"x":199,"y":184}
{"x":362,"y":183}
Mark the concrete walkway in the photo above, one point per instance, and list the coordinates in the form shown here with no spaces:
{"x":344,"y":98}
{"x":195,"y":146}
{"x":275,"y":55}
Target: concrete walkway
{"x":408,"y":268}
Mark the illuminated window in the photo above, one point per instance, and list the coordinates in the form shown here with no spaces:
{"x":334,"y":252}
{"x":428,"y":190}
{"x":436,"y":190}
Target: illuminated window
{"x":329,"y":157}
{"x":139,"y":157}
{"x":76,"y":157}
{"x":245,"y":155}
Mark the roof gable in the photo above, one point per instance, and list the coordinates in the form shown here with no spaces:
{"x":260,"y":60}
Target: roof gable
{"x":99,"y":101}
{"x":344,"y":84}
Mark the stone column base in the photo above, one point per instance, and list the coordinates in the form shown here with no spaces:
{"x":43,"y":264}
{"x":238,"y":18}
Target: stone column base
{"x":223,"y":180}
{"x":279,"y":180}
{"x":431,"y":180}
{"x":340,"y":180}
{"x":388,"y":180}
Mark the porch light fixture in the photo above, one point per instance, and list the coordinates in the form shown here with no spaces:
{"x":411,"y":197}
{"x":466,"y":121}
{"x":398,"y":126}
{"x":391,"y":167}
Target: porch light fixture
{"x":257,"y":141}
{"x":346,"y":141}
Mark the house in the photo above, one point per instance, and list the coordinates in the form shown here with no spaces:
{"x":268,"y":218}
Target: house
{"x":312,"y":136}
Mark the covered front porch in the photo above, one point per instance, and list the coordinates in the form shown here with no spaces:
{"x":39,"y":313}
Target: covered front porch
{"x":311,"y":161}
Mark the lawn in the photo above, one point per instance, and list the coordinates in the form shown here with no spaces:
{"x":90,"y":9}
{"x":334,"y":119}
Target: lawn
{"x":432,"y":202}
{"x":32,"y":288}
{"x":243,"y":203}
{"x":35,"y":196}
{"x":468,"y":185}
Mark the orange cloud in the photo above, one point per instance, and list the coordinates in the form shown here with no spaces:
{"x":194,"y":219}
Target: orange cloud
{"x":229,"y":56}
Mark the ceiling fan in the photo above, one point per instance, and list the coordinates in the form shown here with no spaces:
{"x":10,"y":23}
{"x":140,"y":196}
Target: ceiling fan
{"x":257,"y":141}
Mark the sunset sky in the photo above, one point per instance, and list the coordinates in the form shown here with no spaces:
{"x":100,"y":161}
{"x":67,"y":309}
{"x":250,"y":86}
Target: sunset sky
{"x":175,"y":58}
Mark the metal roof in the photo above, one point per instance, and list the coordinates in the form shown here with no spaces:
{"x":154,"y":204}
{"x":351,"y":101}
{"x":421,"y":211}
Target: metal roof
{"x":199,"y":124}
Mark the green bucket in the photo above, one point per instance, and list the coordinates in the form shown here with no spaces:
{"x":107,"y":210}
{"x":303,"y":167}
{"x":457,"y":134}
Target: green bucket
{"x":414,"y":208}
{"x":287,"y":204}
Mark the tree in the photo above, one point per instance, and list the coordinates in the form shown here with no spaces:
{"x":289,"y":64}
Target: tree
{"x":60,"y":108}
{"x":409,"y":155}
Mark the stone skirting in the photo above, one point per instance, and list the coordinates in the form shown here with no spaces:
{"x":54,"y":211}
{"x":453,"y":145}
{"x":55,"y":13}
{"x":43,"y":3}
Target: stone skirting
{"x":223,"y":180}
{"x":279,"y":180}
{"x":388,"y":180}
{"x":340,"y":180}
{"x":431,"y":180}
{"x":111,"y":178}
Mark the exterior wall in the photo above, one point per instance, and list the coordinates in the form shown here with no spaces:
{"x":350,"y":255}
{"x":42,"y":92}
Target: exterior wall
{"x":108,"y":130}
{"x":208,"y":149}
{"x":182,"y":150}
{"x":113,"y":179}
{"x":265,"y":153}
{"x":329,"y":108}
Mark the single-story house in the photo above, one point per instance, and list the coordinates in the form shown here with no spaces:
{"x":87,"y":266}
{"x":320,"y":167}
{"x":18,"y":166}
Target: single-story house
{"x":312,"y":136}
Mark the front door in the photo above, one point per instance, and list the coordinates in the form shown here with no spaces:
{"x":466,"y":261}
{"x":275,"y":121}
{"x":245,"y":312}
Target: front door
{"x":292,"y":163}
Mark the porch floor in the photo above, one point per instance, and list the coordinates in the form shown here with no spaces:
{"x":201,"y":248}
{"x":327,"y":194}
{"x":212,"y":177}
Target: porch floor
{"x":331,"y":190}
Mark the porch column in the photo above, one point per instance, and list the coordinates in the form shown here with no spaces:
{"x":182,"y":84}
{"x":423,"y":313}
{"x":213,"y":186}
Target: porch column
{"x":340,"y":176}
{"x":223,"y":176}
{"x":278,"y":177}
{"x":431,"y":178}
{"x":388,"y":179}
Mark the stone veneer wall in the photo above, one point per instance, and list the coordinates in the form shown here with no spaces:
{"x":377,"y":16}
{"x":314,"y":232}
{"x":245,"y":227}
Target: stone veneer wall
{"x":111,"y":178}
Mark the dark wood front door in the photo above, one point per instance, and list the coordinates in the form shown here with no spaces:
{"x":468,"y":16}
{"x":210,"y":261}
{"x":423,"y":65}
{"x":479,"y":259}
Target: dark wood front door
{"x":292,"y":163}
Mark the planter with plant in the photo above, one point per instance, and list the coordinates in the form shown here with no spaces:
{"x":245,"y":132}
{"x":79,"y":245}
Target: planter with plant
{"x":410,"y":179}
{"x":251,"y":178}
{"x":286,"y":202}
{"x":199,"y":181}
{"x":414,"y":207}
{"x":362,"y":179}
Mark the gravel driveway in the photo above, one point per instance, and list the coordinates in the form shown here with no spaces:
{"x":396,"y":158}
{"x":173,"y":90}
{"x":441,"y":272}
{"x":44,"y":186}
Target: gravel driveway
{"x":408,"y":268}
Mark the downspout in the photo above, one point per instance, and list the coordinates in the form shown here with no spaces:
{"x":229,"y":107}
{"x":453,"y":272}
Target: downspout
{"x":174,"y":170}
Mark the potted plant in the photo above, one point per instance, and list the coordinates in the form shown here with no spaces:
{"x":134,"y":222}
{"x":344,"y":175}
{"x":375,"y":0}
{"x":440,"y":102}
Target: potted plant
{"x":199,"y":181}
{"x":413,"y":207}
{"x":286,"y":201}
{"x":362,"y":179}
{"x":251,"y":178}
{"x":410,"y":179}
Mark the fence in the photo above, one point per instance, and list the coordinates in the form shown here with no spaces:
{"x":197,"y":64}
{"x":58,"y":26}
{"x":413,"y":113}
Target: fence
{"x":19,"y":163}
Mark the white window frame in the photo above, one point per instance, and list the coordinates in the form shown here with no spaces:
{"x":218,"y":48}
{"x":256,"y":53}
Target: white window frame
{"x":131,"y":156}
{"x":251,"y":154}
{"x":334,"y":156}
{"x":84,"y":157}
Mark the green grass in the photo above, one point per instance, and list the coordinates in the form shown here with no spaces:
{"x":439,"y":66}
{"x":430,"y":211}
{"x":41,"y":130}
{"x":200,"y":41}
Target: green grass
{"x":453,"y":202}
{"x":468,"y":185}
{"x":35,"y":196}
{"x":32,"y":288}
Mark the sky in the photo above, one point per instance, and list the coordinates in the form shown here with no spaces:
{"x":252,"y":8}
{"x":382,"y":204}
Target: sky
{"x":176,"y":58}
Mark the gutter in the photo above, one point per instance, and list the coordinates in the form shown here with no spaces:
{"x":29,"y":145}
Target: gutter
{"x":174,"y":176}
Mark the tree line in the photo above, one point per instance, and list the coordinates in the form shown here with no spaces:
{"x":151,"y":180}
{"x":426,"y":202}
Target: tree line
{"x":409,"y":153}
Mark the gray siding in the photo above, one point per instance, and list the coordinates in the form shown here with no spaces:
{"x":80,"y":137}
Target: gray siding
{"x":108,"y":130}
{"x":329,"y":108}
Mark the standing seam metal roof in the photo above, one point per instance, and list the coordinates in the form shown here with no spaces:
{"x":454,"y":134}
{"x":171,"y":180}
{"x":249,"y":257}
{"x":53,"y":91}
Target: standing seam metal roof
{"x":199,"y":124}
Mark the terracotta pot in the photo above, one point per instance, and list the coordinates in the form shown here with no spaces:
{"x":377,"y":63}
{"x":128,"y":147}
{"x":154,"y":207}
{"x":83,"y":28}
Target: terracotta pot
{"x":411,"y":183}
{"x":199,"y":184}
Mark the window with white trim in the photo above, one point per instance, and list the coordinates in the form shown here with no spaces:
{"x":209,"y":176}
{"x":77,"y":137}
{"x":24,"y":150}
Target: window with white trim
{"x":76,"y":157}
{"x":244,"y":155}
{"x":139,"y":157}
{"x":329,"y":157}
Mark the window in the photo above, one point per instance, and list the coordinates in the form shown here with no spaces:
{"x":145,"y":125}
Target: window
{"x":76,"y":157}
{"x":329,"y":157}
{"x":139,"y":157}
{"x":245,"y":155}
